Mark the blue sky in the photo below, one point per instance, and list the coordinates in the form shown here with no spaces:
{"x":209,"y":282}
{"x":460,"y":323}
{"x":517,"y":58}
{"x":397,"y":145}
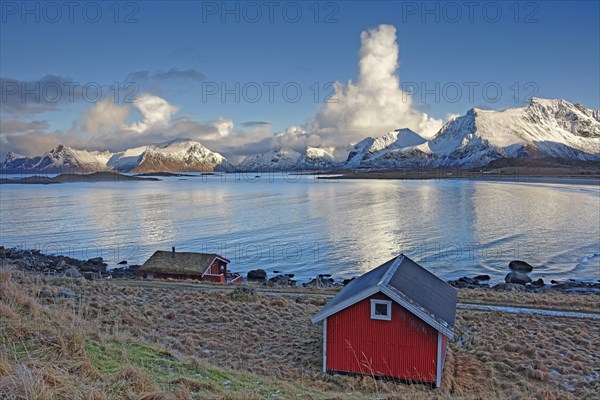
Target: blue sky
{"x":546,"y":48}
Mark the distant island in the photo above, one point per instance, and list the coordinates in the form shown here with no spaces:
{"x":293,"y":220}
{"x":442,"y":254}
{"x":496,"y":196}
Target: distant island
{"x":66,"y":178}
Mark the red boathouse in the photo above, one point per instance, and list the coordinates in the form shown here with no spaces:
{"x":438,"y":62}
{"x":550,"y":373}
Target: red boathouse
{"x":188,"y":265}
{"x":394,"y":321}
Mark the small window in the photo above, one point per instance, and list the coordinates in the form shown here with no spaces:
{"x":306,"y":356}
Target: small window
{"x":381,"y":309}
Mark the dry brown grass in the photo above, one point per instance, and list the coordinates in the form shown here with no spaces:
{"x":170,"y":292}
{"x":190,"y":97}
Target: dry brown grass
{"x":551,"y":299}
{"x":495,"y":356}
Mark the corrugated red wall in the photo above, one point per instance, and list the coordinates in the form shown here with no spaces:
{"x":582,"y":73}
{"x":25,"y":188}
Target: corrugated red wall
{"x":404,"y":347}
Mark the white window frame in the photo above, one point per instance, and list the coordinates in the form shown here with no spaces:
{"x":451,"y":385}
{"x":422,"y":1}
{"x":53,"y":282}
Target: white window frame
{"x":388,"y":303}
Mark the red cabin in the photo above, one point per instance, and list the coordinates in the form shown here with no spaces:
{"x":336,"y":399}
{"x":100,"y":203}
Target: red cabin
{"x":394,"y":321}
{"x":188,"y":265}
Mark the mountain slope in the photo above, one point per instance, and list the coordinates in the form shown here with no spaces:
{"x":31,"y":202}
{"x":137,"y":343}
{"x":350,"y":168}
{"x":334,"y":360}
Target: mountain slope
{"x":545,"y":128}
{"x":368,"y":150}
{"x":286,"y":159}
{"x":174,"y":156}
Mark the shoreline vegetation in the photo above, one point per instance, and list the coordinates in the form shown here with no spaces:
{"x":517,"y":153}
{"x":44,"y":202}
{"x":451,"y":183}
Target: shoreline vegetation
{"x":517,"y":279}
{"x":65,"y":336}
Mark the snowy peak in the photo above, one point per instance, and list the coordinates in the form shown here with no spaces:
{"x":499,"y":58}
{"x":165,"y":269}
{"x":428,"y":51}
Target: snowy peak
{"x":173,"y":156}
{"x":286,"y":159}
{"x":10,"y":156}
{"x":544,"y":128}
{"x":396,"y":139}
{"x":370,"y":149}
{"x":179,"y":155}
{"x":276,"y":159}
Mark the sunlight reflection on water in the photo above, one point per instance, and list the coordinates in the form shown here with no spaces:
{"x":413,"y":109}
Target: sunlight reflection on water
{"x":453,"y":227}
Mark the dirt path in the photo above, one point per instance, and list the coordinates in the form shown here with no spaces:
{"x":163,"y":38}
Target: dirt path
{"x":528,"y":310}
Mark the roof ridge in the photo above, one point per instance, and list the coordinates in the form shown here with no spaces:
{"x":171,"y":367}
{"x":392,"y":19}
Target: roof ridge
{"x":391,"y":271}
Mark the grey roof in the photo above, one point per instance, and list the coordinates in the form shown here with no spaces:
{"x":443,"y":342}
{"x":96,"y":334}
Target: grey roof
{"x":407,"y":283}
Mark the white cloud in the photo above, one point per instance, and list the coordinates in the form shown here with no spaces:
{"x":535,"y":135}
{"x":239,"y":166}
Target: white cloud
{"x":156,"y":112}
{"x":104,"y":118}
{"x":371,"y":106}
{"x":223,"y":125}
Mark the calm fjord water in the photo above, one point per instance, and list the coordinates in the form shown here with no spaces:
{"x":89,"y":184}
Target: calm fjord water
{"x":307,"y":227}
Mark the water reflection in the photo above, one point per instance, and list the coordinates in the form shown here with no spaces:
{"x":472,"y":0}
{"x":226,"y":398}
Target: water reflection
{"x":344,"y":227}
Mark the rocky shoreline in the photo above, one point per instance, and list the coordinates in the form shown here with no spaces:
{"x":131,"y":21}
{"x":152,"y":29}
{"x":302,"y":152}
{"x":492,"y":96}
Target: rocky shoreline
{"x":33,"y":261}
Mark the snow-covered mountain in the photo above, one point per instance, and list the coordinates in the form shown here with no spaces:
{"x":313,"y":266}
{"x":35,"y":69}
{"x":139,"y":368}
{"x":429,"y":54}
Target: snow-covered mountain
{"x":544,"y":128}
{"x":323,"y":158}
{"x":286,"y":159}
{"x":369,"y":150}
{"x":177,"y":155}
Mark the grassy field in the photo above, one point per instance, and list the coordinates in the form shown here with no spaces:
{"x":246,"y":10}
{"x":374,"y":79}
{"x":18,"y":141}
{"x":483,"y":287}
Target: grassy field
{"x":161,"y":340}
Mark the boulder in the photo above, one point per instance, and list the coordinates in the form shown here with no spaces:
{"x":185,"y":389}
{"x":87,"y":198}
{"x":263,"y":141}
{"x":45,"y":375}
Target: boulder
{"x":90,"y":276}
{"x":520,"y":266}
{"x":257,"y":275}
{"x":96,"y":260}
{"x":466,"y":282}
{"x":122,"y":262}
{"x":322,"y":280}
{"x":72,"y":272}
{"x":510,"y":287}
{"x":283,"y":280}
{"x":517,"y":277}
{"x":98,"y":268}
{"x":347,"y":281}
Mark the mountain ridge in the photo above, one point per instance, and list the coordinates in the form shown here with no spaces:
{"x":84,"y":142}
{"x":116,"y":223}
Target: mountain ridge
{"x":544,"y":128}
{"x":178,"y":155}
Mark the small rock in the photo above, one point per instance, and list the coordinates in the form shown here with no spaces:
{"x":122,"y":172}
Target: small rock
{"x":347,"y":281}
{"x":283,"y":280}
{"x":241,"y":292}
{"x":90,"y":276}
{"x":482,"y":278}
{"x":66,"y":294}
{"x":520,"y":266}
{"x":245,"y":290}
{"x":44,"y":294}
{"x":122,"y":262}
{"x":517,"y":277}
{"x":510,"y":287}
{"x":539,"y":282}
{"x":96,"y":260}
